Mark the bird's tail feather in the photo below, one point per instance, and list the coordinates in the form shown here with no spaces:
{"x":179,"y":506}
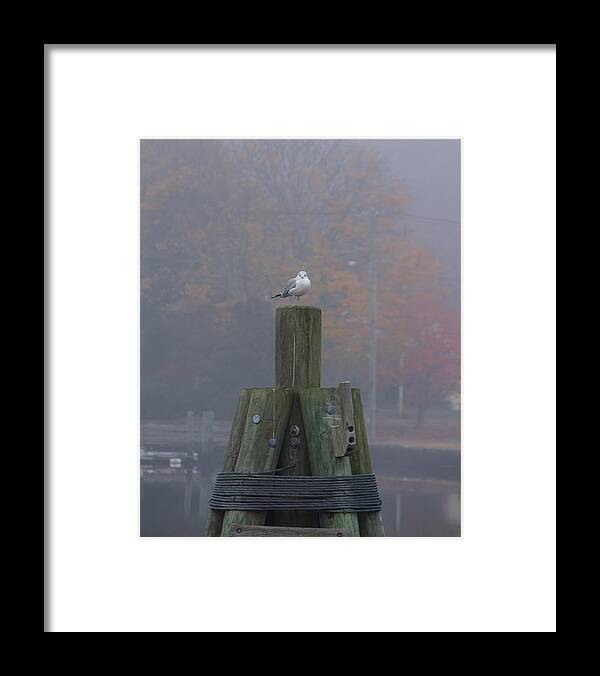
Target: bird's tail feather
{"x":276,"y":295}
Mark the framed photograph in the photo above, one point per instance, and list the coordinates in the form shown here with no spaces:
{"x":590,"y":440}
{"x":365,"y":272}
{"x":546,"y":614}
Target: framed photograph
{"x":298,"y":294}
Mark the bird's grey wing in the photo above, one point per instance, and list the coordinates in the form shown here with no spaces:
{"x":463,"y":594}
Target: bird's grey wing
{"x":288,"y":287}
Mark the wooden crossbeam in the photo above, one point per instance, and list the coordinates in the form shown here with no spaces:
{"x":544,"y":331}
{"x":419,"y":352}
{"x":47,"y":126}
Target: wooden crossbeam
{"x":244,"y":530}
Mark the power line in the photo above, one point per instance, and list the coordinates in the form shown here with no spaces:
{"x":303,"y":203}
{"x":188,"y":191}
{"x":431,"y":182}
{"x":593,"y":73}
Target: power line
{"x":434,"y":219}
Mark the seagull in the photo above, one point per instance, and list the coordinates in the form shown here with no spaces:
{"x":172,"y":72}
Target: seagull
{"x":297,"y":286}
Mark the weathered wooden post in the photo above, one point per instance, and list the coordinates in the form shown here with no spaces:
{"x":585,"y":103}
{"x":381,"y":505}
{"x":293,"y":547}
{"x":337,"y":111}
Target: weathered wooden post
{"x":262,"y":437}
{"x":255,"y":442}
{"x":215,"y":517}
{"x":300,"y":429}
{"x":297,"y":366}
{"x":321,"y":409}
{"x":298,"y":347}
{"x":371,"y":523}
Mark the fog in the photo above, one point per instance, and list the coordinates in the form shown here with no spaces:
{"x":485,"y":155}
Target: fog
{"x":225,"y":223}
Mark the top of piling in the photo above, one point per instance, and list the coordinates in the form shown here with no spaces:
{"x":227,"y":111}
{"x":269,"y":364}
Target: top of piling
{"x":298,"y":347}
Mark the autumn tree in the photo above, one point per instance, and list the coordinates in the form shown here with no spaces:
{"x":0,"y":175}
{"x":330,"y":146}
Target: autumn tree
{"x":225,"y":223}
{"x":431,"y":365}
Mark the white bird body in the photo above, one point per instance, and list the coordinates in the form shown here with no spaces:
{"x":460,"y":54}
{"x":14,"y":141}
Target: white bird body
{"x":295,"y":287}
{"x":302,"y":286}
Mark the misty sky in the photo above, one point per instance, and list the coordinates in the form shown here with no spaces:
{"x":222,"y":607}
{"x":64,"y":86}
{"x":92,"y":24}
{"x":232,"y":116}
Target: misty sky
{"x":430,"y":171}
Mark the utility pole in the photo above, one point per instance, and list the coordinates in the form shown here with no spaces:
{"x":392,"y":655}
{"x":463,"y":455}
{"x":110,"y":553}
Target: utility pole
{"x":401,"y":387}
{"x":372,"y":325}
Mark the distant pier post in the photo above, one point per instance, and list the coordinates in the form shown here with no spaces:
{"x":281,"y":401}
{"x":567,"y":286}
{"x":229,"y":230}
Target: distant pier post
{"x":190,"y":433}
{"x":207,"y":431}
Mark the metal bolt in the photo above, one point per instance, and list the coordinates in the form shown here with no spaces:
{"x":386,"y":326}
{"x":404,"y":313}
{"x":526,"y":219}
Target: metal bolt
{"x":273,"y":442}
{"x":330,"y":408}
{"x":295,"y":430}
{"x":256,"y":419}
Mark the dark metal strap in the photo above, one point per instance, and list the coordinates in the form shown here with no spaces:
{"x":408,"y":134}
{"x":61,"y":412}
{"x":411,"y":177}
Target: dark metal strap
{"x":270,"y":471}
{"x":260,"y":492}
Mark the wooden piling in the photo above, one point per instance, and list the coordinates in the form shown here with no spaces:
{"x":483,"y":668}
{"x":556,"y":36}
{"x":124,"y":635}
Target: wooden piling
{"x":297,"y":365}
{"x":215,"y":516}
{"x":371,"y":523}
{"x":298,"y":347}
{"x":308,"y":426}
{"x":266,"y":421}
{"x":294,"y":452}
{"x":321,"y":407}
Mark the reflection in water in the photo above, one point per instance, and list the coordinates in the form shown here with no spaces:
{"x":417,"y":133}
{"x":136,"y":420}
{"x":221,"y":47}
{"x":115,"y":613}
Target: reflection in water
{"x":174,"y":502}
{"x":420,"y":510}
{"x":451,"y":508}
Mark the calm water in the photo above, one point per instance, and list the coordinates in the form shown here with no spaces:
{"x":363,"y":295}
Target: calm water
{"x":420,"y":490}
